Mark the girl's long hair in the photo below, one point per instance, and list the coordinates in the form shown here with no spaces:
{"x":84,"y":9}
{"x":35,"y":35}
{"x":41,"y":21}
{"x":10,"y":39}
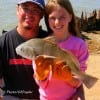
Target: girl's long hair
{"x":73,"y":27}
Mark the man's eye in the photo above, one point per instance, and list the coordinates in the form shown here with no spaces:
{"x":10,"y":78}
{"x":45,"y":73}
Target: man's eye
{"x":32,"y":10}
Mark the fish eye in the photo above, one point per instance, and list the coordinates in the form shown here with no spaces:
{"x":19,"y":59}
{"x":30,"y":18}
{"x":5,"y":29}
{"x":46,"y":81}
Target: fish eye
{"x":22,"y":49}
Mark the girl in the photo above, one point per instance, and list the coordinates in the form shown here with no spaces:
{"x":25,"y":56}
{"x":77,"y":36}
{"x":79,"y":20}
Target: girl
{"x":62,"y":24}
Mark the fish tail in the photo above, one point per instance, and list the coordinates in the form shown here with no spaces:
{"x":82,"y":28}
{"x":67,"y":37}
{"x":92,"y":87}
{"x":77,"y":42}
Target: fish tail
{"x":89,"y":81}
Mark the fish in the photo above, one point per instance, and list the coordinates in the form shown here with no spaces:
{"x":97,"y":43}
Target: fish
{"x":35,"y":47}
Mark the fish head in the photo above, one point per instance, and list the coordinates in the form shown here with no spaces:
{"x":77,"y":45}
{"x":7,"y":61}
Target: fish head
{"x":26,"y":51}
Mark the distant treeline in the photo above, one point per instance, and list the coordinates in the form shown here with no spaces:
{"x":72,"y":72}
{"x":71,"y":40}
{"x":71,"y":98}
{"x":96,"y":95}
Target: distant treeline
{"x":91,"y":23}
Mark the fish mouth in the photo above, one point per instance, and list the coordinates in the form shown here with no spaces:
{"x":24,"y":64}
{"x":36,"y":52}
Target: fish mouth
{"x":26,"y":52}
{"x":17,"y":50}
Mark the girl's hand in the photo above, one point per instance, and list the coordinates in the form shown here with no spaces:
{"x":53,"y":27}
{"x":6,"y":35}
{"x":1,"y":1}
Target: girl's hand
{"x":62,"y":71}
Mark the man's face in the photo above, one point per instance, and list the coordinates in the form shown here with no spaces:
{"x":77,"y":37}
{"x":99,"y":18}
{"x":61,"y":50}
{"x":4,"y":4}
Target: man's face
{"x":29,"y":15}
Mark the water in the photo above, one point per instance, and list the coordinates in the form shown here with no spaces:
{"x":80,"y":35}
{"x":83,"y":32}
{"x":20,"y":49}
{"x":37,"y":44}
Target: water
{"x":8,"y":17}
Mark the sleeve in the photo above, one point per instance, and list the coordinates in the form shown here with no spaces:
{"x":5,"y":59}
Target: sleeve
{"x":83,"y":56}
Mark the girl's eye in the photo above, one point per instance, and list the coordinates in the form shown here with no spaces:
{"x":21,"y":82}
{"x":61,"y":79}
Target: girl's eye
{"x":62,"y":18}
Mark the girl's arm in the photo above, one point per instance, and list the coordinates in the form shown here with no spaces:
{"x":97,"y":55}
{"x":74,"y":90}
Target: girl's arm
{"x":83,"y":57}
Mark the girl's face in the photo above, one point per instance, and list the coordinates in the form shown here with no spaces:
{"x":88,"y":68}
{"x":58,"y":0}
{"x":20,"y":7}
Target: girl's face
{"x":59,"y":20}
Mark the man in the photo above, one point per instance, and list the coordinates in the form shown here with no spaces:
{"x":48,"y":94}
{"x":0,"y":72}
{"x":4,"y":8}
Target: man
{"x":16,"y":71}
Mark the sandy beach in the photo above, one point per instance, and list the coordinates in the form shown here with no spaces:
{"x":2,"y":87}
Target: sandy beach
{"x":93,"y":69}
{"x":93,"y":66}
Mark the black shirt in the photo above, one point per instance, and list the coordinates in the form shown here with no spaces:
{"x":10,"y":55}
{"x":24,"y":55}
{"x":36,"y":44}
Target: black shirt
{"x":17,"y":71}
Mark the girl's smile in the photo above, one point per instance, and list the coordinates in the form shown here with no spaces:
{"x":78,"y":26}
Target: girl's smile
{"x":59,"y":20}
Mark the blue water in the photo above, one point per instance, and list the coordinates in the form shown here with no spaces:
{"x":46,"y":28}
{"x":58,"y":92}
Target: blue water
{"x":8,"y":17}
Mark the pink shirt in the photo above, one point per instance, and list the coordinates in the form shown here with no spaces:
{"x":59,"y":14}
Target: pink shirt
{"x":79,"y":48}
{"x":53,"y":89}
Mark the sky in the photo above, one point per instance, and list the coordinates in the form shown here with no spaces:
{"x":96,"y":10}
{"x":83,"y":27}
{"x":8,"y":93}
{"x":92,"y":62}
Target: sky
{"x":85,"y":5}
{"x":91,"y":4}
